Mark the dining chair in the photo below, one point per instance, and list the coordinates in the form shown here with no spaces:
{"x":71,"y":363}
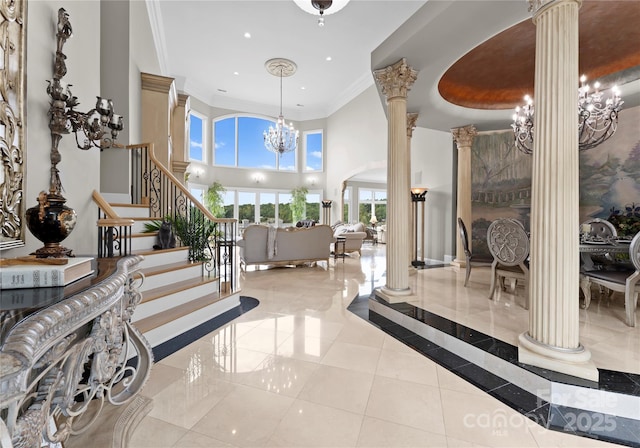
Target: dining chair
{"x":623,"y":280}
{"x":471,"y":258}
{"x":509,"y":245}
{"x":599,"y":228}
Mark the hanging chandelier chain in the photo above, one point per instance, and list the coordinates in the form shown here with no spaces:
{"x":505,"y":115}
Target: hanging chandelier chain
{"x":281,"y":138}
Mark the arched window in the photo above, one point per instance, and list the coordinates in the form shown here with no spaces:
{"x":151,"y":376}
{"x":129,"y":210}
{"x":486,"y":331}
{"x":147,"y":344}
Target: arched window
{"x":238,"y":141}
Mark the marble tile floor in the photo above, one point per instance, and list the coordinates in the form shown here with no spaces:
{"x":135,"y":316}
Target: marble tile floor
{"x":301,"y":370}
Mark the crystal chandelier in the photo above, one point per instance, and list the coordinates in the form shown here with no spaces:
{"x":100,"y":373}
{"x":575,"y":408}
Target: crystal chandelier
{"x":597,"y":119}
{"x":281,"y":138}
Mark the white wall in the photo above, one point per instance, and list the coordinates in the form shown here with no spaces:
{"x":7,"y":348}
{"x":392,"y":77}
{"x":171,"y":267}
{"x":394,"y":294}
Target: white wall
{"x":79,"y":170}
{"x":357,"y":142}
{"x":143,"y":58}
{"x":432,"y":167}
{"x":114,"y":84}
{"x":125,"y":25}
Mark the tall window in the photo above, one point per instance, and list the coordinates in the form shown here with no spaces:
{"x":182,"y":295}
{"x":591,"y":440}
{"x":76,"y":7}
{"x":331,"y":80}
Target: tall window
{"x":268,"y":208}
{"x":284,"y":207}
{"x":246,"y":206}
{"x":229,"y":201}
{"x":313,"y":206}
{"x":346,"y":200}
{"x":372,"y":203}
{"x":239,"y":141}
{"x":224,"y":142}
{"x":313,"y":151}
{"x":198,"y":192}
{"x":196,"y":137}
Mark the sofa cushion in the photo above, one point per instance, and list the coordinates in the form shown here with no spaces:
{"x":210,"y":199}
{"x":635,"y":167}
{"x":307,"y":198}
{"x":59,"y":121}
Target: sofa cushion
{"x":341,"y":229}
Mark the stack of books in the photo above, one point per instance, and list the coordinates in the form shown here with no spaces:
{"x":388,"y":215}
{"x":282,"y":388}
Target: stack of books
{"x":31,"y":272}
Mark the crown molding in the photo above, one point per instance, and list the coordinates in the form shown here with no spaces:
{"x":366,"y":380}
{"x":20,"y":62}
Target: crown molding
{"x":157,"y":29}
{"x":157,"y":83}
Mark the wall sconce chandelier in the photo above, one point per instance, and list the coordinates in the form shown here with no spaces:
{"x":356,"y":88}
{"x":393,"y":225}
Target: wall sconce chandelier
{"x":281,"y":138}
{"x":320,"y":7}
{"x":51,"y":221}
{"x":597,"y":120}
{"x":95,"y":125}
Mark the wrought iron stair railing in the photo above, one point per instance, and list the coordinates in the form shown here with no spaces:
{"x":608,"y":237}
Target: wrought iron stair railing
{"x":114,"y":232}
{"x":211,"y":240}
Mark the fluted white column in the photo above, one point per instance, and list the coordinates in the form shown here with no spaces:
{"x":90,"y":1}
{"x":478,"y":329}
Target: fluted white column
{"x":464,"y":139}
{"x":552,"y":341}
{"x":395,"y":81}
{"x":412,"y":118}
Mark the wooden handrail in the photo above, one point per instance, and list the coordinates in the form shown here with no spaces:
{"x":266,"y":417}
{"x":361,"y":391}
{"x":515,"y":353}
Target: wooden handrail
{"x":115,"y":222}
{"x":104,"y":205}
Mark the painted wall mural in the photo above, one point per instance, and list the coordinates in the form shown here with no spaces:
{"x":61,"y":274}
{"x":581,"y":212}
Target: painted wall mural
{"x":501,"y":179}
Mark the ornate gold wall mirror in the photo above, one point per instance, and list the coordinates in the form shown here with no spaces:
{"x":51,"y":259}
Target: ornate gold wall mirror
{"x":12,"y":125}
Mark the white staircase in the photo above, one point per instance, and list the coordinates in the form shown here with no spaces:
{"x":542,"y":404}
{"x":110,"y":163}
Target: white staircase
{"x":177,"y":295}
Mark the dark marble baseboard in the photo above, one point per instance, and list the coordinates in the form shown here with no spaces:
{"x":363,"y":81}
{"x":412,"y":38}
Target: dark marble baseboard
{"x":165,"y":349}
{"x":463,"y":344}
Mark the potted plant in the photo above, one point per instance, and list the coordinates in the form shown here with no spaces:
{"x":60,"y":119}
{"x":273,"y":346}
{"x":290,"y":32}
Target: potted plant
{"x":213,"y":199}
{"x":298,"y":203}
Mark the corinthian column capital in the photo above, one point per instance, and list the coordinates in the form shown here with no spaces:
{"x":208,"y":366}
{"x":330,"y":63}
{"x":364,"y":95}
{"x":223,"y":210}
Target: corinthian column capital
{"x":537,"y":5}
{"x":464,"y":136}
{"x":412,"y":118}
{"x":396,"y":79}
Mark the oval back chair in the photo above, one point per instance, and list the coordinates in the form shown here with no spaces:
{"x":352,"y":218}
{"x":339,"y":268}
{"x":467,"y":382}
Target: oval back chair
{"x":599,"y":228}
{"x":509,"y":245}
{"x":627,"y":281}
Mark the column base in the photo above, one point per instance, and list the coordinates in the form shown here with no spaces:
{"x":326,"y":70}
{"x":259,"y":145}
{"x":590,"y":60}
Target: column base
{"x":394,"y":295}
{"x":457,"y":263}
{"x":571,"y":362}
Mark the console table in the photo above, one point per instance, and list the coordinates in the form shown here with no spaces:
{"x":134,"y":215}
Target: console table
{"x":64,"y":351}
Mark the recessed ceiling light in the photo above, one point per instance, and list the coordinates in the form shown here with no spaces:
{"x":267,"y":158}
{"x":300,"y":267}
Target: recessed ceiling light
{"x":236,"y":73}
{"x":247,"y":35}
{"x":328,"y":58}
{"x":303,"y":88}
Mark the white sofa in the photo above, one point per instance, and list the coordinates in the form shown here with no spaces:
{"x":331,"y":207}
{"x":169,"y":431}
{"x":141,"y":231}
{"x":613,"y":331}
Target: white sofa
{"x":354,"y":235}
{"x":294,"y":245}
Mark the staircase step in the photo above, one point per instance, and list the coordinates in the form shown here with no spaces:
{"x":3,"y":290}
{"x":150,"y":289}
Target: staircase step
{"x":168,"y":274}
{"x":139,"y":222}
{"x":170,"y":314}
{"x":177,"y":295}
{"x":143,"y":241}
{"x":159,"y":257}
{"x":131,"y":210}
{"x":184,"y":288}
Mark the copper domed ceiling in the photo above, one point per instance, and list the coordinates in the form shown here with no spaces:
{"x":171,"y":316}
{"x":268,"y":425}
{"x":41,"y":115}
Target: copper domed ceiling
{"x":499,"y":72}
